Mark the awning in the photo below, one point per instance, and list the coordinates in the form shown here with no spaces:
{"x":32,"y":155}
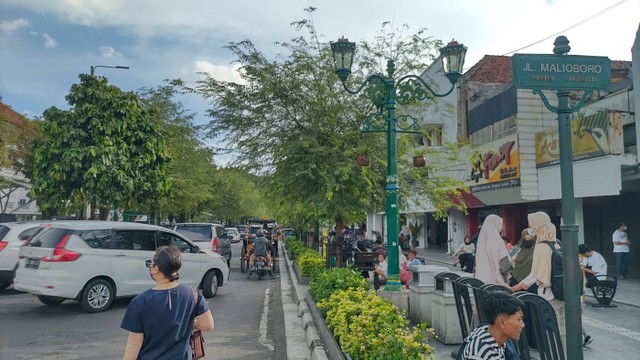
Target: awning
{"x":469,"y":200}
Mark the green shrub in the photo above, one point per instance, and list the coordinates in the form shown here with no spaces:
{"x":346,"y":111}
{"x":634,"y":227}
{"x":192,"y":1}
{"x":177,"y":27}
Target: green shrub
{"x":369,"y":327}
{"x":310,"y":263}
{"x":326,"y":283}
{"x":288,"y":240}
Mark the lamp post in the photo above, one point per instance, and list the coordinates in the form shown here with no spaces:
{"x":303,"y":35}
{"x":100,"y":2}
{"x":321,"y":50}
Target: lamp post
{"x":93,"y":68}
{"x":384,"y":92}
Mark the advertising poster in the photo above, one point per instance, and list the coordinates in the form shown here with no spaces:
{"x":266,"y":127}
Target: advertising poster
{"x":591,"y":136}
{"x":495,"y":165}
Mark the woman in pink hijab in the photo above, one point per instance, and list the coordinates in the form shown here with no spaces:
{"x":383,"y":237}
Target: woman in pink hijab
{"x":493,"y":265}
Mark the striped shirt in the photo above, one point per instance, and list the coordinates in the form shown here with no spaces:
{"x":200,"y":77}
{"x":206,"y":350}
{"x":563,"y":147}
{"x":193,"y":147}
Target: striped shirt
{"x":480,"y":345}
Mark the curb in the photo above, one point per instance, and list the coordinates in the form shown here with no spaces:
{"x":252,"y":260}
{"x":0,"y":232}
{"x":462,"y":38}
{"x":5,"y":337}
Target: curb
{"x":314,"y":342}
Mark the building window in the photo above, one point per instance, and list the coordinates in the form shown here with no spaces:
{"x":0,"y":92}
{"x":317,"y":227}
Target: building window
{"x":432,"y":136}
{"x":22,"y":202}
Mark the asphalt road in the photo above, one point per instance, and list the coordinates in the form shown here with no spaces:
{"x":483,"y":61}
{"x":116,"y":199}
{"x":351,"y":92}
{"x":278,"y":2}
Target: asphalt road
{"x":249,"y":324}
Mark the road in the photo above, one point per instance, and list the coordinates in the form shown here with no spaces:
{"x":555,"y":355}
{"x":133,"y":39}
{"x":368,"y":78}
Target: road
{"x":249,"y":324}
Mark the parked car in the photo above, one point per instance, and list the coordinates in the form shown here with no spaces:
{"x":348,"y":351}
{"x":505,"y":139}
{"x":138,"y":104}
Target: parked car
{"x":215,"y":234}
{"x":94,"y":262}
{"x":233,"y":233}
{"x":12,"y":236}
{"x":287,"y":232}
{"x":244,"y":231}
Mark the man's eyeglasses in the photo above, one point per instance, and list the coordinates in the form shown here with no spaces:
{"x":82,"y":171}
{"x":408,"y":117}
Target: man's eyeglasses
{"x":149,"y":264}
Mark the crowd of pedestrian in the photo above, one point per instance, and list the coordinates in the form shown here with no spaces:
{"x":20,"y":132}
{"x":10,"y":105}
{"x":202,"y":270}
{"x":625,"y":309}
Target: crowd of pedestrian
{"x":528,"y":266}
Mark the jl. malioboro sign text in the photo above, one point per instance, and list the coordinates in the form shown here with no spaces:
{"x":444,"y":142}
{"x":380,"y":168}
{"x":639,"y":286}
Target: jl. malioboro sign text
{"x":561,"y":72}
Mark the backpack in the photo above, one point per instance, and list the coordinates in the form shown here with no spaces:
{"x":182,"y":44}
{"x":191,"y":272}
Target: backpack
{"x":557,"y":273}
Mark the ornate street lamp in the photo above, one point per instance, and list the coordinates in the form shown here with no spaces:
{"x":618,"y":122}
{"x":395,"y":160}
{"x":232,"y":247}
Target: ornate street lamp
{"x":384,"y":91}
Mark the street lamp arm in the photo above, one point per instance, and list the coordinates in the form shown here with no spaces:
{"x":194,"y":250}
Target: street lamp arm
{"x":369,"y":79}
{"x":407,"y":84}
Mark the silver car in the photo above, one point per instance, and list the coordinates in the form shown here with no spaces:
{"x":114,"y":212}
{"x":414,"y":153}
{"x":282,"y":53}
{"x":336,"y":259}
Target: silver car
{"x":214,"y":234}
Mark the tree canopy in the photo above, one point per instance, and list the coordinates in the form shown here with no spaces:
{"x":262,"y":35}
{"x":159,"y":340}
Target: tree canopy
{"x":107,"y":149}
{"x":290,"y":119}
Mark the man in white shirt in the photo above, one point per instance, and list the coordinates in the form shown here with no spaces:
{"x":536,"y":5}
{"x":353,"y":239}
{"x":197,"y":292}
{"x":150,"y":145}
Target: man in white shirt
{"x":621,"y":250}
{"x":593,"y":264}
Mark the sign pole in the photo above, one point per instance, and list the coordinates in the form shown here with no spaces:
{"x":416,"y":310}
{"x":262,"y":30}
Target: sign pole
{"x":563,"y":73}
{"x":569,"y":228}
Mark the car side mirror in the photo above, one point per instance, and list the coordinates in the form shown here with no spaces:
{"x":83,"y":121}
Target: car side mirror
{"x":196,"y":249}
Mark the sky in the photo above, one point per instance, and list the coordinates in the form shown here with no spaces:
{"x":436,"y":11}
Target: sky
{"x":45,"y":44}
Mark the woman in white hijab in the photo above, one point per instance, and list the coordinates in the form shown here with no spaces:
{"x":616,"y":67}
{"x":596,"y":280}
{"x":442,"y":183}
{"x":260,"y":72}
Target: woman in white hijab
{"x":493,"y":265}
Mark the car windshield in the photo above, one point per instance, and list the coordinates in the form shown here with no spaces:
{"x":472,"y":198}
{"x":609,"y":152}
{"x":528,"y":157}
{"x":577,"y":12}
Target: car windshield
{"x":195,"y":232}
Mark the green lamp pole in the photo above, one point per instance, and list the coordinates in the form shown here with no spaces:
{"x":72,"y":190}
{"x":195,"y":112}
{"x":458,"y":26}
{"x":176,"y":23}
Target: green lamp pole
{"x":93,"y":68}
{"x":384,"y":92}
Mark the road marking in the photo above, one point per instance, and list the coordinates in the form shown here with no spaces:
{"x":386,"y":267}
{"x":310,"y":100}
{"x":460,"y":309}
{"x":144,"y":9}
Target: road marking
{"x":612,"y":328}
{"x":264,"y":322}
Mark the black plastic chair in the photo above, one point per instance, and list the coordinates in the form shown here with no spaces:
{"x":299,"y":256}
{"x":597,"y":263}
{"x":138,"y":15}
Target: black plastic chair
{"x":604,"y":289}
{"x":545,"y":328}
{"x":463,"y":301}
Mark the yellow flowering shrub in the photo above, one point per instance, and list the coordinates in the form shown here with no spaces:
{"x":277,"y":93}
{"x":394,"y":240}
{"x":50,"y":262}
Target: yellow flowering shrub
{"x":370,"y":327}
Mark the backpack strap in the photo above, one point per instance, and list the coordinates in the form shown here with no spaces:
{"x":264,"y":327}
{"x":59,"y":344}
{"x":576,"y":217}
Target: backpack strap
{"x":551,"y":244}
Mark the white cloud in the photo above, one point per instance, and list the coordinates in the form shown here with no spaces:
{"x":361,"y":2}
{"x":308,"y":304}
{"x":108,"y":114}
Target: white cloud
{"x":10,"y":26}
{"x":219,"y":72}
{"x":109,"y":52}
{"x":49,"y":42}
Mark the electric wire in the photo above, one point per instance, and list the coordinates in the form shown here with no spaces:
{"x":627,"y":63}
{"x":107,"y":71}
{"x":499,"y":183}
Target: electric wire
{"x":570,"y":27}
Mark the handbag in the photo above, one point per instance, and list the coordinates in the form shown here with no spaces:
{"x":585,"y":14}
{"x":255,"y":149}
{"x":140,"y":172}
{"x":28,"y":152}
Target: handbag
{"x":197,"y":340}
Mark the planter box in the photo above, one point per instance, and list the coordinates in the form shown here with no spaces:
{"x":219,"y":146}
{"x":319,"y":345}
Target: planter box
{"x":302,"y":280}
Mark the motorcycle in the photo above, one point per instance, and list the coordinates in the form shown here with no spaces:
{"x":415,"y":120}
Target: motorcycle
{"x":260,"y":267}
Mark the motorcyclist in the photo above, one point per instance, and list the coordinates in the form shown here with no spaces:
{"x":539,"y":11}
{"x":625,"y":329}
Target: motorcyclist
{"x":261,"y":248}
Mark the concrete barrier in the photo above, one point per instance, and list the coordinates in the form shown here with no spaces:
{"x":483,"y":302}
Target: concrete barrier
{"x":421,"y":289}
{"x":444,"y":315}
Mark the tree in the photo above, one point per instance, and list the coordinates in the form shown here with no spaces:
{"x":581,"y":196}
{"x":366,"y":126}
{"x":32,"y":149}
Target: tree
{"x":192,"y":168}
{"x":291,"y":120}
{"x":106,"y":150}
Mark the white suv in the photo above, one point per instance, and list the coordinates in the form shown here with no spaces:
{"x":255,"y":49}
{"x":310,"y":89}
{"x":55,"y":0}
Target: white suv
{"x":95,"y":261}
{"x":12,"y":236}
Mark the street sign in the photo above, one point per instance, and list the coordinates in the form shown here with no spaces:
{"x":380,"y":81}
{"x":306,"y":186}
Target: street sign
{"x":561,"y":72}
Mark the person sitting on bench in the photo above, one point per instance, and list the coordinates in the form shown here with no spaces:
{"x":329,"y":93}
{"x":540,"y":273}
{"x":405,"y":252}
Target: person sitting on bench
{"x":593,"y":264}
{"x":382,"y":268}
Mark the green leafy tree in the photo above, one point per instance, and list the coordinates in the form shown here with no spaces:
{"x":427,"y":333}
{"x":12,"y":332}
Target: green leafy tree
{"x":107,"y":149}
{"x":192,"y":169}
{"x":291,"y":120}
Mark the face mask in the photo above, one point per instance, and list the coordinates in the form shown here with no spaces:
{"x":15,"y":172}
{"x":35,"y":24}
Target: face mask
{"x":527,"y":243}
{"x":624,"y":228}
{"x":530,"y":232}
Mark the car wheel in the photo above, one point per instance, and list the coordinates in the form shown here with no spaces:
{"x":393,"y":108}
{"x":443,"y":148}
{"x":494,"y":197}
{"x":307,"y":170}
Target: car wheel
{"x":210,"y":284}
{"x":50,"y":300}
{"x":97,"y":296}
{"x":4,"y":285}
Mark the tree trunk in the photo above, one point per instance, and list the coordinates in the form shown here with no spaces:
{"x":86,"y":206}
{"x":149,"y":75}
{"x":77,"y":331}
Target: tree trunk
{"x":104,"y":212}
